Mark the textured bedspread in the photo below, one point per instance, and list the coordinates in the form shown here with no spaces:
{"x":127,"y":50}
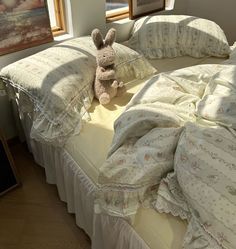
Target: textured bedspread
{"x":146,"y":135}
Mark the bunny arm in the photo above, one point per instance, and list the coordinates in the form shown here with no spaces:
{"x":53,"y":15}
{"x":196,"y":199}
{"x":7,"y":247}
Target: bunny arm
{"x":103,"y":74}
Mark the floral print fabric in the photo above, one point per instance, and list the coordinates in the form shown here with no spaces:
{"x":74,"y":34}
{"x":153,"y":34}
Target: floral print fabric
{"x":203,"y":187}
{"x":168,"y":36}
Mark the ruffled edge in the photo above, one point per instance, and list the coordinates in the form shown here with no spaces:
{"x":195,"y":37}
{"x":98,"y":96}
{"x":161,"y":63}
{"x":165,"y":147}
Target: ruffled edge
{"x":124,"y":202}
{"x":140,"y":66}
{"x":171,"y":200}
{"x":54,"y":131}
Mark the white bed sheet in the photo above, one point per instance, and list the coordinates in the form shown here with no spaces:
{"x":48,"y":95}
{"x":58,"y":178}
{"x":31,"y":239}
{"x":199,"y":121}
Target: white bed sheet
{"x":75,"y":169}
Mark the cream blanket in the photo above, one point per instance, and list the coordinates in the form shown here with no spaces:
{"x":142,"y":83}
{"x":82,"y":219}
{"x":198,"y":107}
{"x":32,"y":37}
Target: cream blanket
{"x":146,"y":135}
{"x":184,"y":122}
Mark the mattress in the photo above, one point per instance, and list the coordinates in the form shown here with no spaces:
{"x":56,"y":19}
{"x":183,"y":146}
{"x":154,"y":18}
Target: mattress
{"x":90,"y":147}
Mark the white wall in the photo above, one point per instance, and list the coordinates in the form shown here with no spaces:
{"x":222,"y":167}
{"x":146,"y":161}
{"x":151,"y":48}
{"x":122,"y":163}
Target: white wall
{"x":222,"y":12}
{"x":86,"y":15}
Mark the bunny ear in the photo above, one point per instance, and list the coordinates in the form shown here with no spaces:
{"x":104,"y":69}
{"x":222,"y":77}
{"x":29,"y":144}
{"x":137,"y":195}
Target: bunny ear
{"x":110,"y":37}
{"x":97,"y":38}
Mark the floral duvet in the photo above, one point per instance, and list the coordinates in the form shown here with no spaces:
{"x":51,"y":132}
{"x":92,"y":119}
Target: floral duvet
{"x":161,"y":136}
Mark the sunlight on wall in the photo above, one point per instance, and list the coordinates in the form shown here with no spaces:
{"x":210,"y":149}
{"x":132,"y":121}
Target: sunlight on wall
{"x":52,"y":14}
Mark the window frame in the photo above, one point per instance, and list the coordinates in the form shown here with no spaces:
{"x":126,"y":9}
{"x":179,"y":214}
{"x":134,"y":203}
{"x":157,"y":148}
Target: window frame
{"x":59,"y":8}
{"x":121,"y":14}
{"x":118,"y":14}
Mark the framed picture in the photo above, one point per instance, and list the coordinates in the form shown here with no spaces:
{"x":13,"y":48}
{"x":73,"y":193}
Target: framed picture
{"x":23,"y":24}
{"x":8,"y":173}
{"x":144,"y":7}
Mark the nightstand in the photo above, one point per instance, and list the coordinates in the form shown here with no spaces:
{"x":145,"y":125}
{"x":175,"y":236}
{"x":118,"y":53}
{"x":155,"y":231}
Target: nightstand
{"x":8,"y":174}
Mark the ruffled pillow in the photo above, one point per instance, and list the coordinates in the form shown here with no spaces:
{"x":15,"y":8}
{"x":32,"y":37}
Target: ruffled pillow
{"x":170,"y":36}
{"x":59,"y":81}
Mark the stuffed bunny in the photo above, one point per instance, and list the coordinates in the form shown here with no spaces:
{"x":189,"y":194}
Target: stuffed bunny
{"x":106,"y":86}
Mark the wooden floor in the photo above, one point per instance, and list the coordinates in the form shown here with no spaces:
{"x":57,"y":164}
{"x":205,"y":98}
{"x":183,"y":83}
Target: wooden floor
{"x":32,"y":216}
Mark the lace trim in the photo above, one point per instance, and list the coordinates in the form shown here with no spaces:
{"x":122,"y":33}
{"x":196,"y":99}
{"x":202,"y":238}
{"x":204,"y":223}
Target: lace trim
{"x":163,"y":206}
{"x":49,"y":127}
{"x":139,"y":67}
{"x":124,"y":202}
{"x":170,"y":198}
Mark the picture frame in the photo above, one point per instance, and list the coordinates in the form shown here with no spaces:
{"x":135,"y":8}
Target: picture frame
{"x":138,"y":8}
{"x":23,"y":24}
{"x":9,"y":178}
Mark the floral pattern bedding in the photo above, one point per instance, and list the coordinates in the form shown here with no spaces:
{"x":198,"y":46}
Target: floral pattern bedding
{"x":146,"y":150}
{"x":203,"y":188}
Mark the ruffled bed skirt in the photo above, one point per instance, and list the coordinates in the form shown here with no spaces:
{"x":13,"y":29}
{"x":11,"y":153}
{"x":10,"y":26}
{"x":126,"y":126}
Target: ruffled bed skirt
{"x":78,"y":191}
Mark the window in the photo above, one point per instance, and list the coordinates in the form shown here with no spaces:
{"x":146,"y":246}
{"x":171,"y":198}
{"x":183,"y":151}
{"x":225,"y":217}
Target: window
{"x":57,"y":16}
{"x":116,"y":9}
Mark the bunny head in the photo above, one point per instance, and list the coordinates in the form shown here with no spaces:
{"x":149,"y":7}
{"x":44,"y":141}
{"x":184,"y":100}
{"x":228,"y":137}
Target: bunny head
{"x":105,"y":53}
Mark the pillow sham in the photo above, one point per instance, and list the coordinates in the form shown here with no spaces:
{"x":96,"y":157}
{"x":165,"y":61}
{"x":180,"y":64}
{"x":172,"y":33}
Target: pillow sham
{"x":59,"y":80}
{"x":170,"y":36}
{"x":219,"y":101}
{"x":205,"y":168}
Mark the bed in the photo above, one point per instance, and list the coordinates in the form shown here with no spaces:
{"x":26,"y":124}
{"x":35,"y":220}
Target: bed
{"x":75,"y":168}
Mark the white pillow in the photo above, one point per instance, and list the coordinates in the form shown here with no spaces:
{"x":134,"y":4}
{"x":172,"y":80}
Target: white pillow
{"x":170,"y":36}
{"x":59,"y":80}
{"x":219,"y":101}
